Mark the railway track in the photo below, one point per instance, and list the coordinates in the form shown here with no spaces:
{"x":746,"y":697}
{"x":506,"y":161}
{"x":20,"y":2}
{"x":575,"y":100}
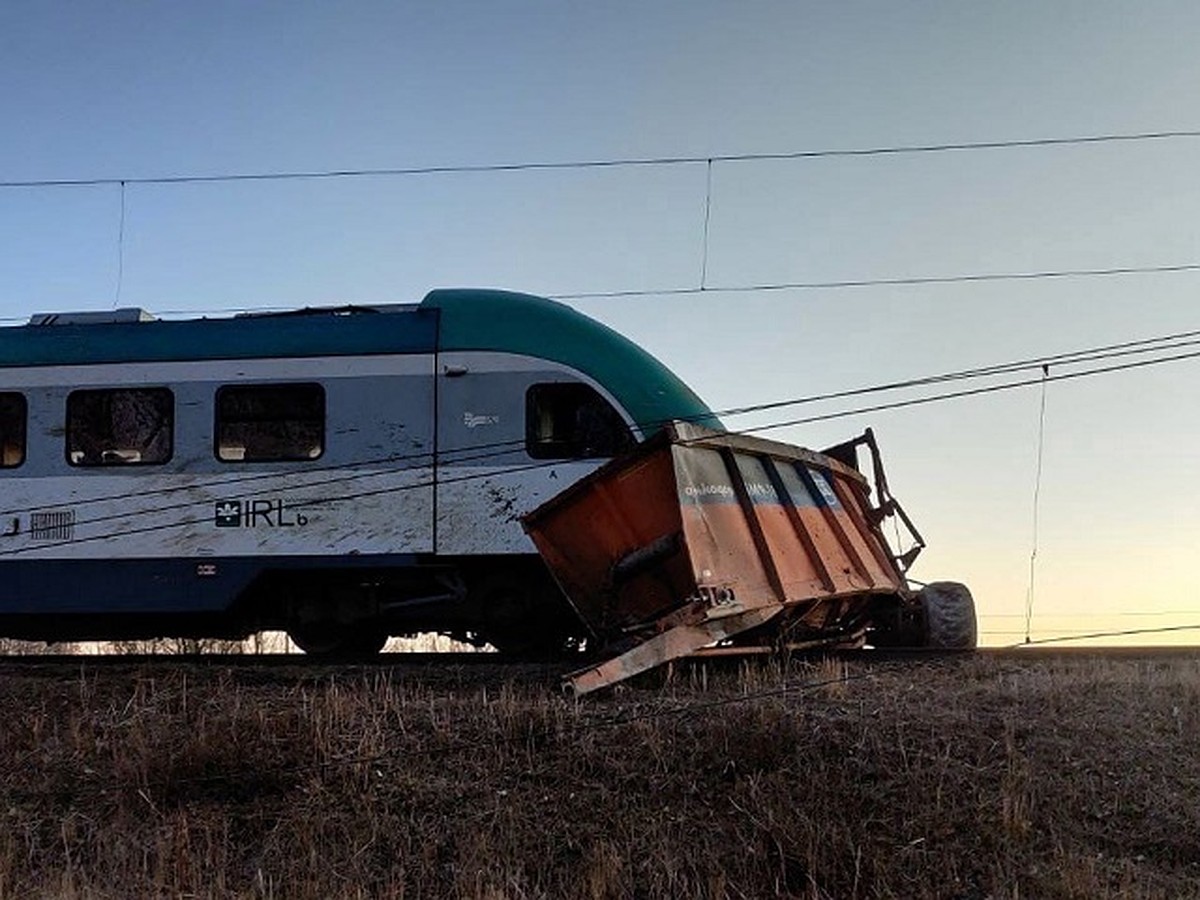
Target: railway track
{"x":499,"y":664}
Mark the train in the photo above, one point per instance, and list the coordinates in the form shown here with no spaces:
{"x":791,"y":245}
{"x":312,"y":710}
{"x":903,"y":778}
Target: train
{"x":343,"y":474}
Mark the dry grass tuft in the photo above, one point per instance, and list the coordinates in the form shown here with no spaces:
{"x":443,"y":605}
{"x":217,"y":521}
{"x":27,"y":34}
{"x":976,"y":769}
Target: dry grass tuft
{"x":970,"y":778}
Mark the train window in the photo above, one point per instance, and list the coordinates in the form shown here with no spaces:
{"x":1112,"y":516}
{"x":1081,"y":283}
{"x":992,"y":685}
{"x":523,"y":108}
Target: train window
{"x":12,"y":430}
{"x":569,"y":420}
{"x":270,"y":422}
{"x":120,"y":426}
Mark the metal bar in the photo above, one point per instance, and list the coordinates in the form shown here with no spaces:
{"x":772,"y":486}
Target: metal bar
{"x":802,"y":532}
{"x":674,"y":644}
{"x":691,"y":435}
{"x":724,"y":652}
{"x":889,"y":505}
{"x":878,"y":547}
{"x":756,"y":529}
{"x":831,"y":518}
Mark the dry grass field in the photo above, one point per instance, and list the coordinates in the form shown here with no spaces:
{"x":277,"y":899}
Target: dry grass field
{"x":963,"y":777}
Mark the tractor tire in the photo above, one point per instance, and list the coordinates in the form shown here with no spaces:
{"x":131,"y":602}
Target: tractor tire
{"x":949,"y":613}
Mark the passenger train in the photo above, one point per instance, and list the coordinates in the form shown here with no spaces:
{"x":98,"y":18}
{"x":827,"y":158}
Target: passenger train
{"x":343,"y":474}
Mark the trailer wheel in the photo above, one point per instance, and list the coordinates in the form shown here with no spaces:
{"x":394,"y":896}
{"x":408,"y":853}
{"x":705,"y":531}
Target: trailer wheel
{"x":335,"y":640}
{"x":949,"y":613}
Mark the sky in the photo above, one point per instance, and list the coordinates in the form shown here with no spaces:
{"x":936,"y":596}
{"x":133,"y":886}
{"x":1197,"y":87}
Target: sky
{"x":144,"y":89}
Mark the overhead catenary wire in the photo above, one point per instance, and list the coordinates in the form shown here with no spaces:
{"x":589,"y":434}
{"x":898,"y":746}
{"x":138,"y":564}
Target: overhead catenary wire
{"x":973,"y":392}
{"x":1037,"y":496}
{"x":493,"y":472}
{"x":768,"y":288}
{"x":552,"y":463}
{"x":485,"y":451}
{"x":1099,"y":635}
{"x":1105,"y":614}
{"x":677,"y":710}
{"x":897,"y":281}
{"x":120,"y":248}
{"x":702,"y":287}
{"x":497,"y":449}
{"x":613,"y":163}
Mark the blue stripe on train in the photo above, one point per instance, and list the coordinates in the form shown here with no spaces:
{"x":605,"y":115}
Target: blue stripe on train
{"x":197,"y":585}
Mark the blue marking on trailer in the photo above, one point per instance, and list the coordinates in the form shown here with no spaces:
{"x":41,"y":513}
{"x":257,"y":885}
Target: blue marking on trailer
{"x":826,"y":489}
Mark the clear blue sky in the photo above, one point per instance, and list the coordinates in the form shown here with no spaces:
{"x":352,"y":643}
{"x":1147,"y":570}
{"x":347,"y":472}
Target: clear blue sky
{"x":131,"y":90}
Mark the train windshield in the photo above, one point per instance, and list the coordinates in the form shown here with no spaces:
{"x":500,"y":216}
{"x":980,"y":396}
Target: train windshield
{"x":572,"y":421}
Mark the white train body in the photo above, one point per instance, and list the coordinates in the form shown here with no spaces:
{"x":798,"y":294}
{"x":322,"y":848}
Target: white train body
{"x":343,"y":474}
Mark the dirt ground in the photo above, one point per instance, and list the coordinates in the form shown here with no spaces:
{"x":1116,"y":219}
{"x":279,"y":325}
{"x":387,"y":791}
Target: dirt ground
{"x":966,"y":777}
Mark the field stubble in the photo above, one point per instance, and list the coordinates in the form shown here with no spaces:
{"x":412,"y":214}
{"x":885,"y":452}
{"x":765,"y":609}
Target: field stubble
{"x":964,"y":777}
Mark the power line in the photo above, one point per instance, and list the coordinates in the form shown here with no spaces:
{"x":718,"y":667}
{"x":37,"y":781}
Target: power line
{"x":492,"y":473}
{"x":774,"y":287}
{"x":1111,"y":351}
{"x":767,"y":287}
{"x":1129,"y":632}
{"x":954,"y":395}
{"x":1037,"y":496}
{"x":120,"y":250}
{"x":905,"y":281}
{"x":475,"y":452}
{"x":1097,"y":614}
{"x":499,"y":449}
{"x":557,"y":733}
{"x":496,"y":449}
{"x":613,"y":163}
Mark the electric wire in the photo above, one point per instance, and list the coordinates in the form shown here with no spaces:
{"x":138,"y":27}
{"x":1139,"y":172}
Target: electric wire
{"x":654,"y":714}
{"x":1111,"y":351}
{"x":1107,"y":614}
{"x":492,"y":472}
{"x":474,"y":453}
{"x":583,"y":727}
{"x":1037,"y":495}
{"x":707,"y":218}
{"x":613,"y":163}
{"x":901,"y":281}
{"x":551,"y":463}
{"x":1095,"y":635}
{"x":497,"y":449}
{"x":557,"y":733}
{"x":962,"y":278}
{"x":955,"y":395}
{"x":120,"y":250}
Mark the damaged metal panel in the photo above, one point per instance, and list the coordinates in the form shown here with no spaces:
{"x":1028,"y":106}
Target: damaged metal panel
{"x":699,"y":536}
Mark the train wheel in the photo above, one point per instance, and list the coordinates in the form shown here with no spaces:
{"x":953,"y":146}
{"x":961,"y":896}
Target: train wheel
{"x":517,"y":619}
{"x":337,"y":640}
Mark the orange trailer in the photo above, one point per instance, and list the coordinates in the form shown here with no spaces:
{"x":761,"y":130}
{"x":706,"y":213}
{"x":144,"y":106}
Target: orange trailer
{"x":699,"y":540}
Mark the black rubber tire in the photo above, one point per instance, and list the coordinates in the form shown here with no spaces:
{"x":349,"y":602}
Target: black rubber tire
{"x":949,"y":612}
{"x":337,"y":641}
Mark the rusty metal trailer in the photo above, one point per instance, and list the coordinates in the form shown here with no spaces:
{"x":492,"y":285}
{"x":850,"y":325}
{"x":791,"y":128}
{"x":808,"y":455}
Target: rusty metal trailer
{"x":699,"y":541}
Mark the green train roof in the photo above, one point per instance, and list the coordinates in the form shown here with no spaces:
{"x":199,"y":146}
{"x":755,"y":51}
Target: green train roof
{"x":522,"y":323}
